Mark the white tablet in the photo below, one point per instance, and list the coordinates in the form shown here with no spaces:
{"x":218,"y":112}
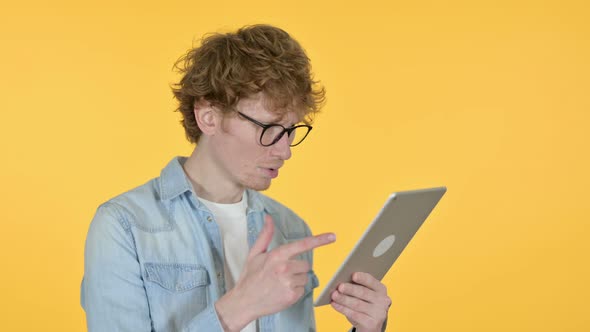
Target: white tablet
{"x":386,"y":237}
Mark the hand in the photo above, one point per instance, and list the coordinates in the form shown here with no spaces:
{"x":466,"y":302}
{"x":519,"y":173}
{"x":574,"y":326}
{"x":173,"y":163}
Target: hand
{"x":364,"y":302}
{"x":270,"y":281}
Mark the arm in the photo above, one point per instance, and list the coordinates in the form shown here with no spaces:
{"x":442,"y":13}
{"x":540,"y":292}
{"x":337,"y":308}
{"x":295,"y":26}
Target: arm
{"x":113,"y":294}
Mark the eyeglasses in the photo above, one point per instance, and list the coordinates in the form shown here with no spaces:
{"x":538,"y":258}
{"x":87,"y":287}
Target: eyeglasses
{"x":273,"y":132}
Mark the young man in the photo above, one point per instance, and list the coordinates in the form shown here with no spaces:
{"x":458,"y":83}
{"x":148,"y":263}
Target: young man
{"x":199,"y":248}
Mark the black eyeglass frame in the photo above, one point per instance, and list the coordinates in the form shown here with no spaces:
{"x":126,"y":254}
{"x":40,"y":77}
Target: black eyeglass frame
{"x":279,"y":136}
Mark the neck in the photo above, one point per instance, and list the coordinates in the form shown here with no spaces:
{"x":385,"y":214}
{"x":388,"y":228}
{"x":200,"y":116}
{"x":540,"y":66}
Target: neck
{"x":209,"y":180}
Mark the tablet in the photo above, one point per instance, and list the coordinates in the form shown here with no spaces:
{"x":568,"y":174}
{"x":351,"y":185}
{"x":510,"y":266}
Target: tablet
{"x":386,"y":237}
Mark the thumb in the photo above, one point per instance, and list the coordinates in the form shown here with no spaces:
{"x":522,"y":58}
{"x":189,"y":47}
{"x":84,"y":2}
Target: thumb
{"x":264,"y":237}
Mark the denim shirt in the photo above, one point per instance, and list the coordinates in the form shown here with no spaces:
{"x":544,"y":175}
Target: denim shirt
{"x":154,"y":260}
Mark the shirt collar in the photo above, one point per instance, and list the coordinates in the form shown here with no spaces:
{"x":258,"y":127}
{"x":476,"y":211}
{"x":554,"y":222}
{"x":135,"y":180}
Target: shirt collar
{"x":254,"y":201}
{"x":173,"y":180}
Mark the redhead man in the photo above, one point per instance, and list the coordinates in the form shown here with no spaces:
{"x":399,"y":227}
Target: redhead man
{"x":199,"y":248}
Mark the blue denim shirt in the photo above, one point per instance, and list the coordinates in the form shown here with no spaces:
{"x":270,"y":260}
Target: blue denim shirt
{"x":154,"y":260}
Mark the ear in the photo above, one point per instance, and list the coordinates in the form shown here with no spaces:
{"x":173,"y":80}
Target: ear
{"x":206,"y":116}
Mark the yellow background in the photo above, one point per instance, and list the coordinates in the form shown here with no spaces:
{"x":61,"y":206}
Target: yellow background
{"x":490,"y":98}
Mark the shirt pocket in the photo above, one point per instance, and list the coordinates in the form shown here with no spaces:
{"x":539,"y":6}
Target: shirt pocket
{"x":177,"y":277}
{"x":176,"y":292}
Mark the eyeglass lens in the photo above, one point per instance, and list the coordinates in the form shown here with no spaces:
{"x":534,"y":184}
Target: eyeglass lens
{"x":271,"y":134}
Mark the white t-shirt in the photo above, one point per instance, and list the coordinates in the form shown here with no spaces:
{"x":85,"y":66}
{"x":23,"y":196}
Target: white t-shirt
{"x":233,"y":224}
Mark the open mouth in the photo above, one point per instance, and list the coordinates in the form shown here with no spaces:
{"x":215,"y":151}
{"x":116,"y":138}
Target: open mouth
{"x":271,"y":172}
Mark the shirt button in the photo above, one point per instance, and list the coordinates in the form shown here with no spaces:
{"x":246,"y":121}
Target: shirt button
{"x":209,"y":219}
{"x":218,"y":274}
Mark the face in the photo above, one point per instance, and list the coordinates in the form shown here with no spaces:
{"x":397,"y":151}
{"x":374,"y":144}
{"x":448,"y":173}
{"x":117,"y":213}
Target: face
{"x":237,"y":150}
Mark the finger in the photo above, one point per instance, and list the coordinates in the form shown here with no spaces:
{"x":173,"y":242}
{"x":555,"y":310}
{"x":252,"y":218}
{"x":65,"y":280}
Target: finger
{"x":358,"y":319}
{"x":369,"y":281}
{"x":298,"y":280}
{"x":352,"y":303}
{"x":298,"y":247}
{"x":345,"y":311}
{"x":359,"y":291}
{"x":264,"y":238}
{"x":297,"y":266}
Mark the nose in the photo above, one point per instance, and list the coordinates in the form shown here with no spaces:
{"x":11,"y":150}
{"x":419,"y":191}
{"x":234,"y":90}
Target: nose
{"x":282,"y":149}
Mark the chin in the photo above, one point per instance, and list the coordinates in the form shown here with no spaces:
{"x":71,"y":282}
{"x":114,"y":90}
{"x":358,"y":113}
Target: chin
{"x":259,"y":186}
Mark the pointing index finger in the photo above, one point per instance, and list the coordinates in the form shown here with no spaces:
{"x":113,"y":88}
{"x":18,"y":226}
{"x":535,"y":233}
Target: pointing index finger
{"x":306,"y":244}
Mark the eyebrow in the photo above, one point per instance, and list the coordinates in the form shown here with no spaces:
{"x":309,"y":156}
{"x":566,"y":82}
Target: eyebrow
{"x":276,"y":120}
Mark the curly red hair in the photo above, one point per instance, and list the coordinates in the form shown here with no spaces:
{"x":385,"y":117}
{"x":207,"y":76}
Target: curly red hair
{"x":228,"y":67}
